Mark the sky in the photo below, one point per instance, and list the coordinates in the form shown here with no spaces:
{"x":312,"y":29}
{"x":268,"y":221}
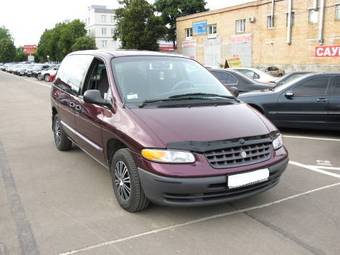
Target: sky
{"x":27,"y":20}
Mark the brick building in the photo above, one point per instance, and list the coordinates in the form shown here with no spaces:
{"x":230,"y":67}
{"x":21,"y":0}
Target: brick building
{"x":293,"y":34}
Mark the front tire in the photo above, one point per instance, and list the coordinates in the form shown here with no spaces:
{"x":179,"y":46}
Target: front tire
{"x":60,"y":138}
{"x":126,"y":183}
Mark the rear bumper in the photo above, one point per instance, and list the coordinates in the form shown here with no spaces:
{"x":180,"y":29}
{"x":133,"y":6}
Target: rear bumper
{"x":202,"y":191}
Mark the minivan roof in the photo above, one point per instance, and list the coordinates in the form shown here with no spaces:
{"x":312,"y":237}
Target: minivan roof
{"x":121,"y":53}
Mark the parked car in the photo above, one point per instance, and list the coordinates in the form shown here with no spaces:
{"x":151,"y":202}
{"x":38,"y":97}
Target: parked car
{"x":166,"y":128}
{"x":309,"y":102}
{"x":35,"y":69}
{"x":48,"y":74}
{"x":257,"y":75}
{"x":236,"y":81}
{"x":275,"y":71}
{"x":22,"y":71}
{"x":290,"y":77}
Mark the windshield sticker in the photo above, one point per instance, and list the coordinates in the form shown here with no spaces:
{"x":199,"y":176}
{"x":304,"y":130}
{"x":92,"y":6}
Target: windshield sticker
{"x":132,"y":96}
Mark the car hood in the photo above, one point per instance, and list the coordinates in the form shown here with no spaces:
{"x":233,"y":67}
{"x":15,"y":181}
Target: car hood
{"x":203,"y":123}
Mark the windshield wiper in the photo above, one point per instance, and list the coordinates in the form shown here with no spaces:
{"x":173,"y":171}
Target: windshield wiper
{"x":154,"y":101}
{"x":202,"y":96}
{"x":189,"y":96}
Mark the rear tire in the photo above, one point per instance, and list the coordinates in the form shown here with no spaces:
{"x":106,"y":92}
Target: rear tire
{"x":126,"y":183}
{"x":47,"y":77}
{"x":60,"y":138}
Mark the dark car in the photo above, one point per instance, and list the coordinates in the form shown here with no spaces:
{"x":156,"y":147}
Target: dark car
{"x":165,"y":127}
{"x":311,"y":101}
{"x":233,"y":79}
{"x":290,"y":77}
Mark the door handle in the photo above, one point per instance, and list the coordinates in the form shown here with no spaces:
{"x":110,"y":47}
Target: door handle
{"x":71,"y":104}
{"x":78,"y":108}
{"x":321,"y":100}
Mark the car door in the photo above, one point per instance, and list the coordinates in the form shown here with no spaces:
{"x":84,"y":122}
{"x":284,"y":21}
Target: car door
{"x":333,"y":116}
{"x":68,"y":82}
{"x":89,"y":119}
{"x":303,"y":104}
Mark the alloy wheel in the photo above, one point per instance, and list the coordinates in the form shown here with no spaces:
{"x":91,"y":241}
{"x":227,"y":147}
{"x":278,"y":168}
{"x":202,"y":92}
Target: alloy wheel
{"x":57,"y":131}
{"x":122,"y":181}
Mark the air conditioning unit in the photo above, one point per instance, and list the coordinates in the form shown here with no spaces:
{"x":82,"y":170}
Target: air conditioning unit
{"x":252,"y":19}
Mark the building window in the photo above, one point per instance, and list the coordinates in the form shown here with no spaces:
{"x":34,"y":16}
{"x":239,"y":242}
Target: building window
{"x":313,"y":16}
{"x":104,"y":43}
{"x":212,"y":29}
{"x":188,"y":32}
{"x":113,"y":19}
{"x":240,"y":26}
{"x":103,"y":31}
{"x":293,"y":18}
{"x":103,"y":18}
{"x":337,"y":12}
{"x":270,"y":21}
{"x":112,"y":31}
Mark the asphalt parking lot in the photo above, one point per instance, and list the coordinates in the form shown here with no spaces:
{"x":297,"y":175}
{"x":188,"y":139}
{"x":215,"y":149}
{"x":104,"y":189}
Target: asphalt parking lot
{"x":62,"y":203}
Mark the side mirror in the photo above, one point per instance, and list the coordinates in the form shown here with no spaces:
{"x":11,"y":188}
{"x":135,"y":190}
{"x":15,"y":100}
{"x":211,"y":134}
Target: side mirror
{"x":234,"y":91}
{"x":92,"y":96}
{"x":289,"y":94}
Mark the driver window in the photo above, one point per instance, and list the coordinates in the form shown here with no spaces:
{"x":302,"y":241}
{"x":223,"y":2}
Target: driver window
{"x":97,"y":79}
{"x":313,"y":87}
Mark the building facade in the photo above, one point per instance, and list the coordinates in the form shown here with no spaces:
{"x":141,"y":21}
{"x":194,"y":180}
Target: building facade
{"x":291,"y":34}
{"x":100,"y":24}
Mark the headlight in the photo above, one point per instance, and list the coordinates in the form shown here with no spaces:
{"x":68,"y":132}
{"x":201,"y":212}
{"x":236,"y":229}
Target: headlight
{"x":168,"y":156}
{"x":278,"y":142}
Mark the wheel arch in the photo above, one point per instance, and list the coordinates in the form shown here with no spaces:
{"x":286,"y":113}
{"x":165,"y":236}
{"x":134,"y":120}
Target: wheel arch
{"x":257,"y":107}
{"x":112,"y":146}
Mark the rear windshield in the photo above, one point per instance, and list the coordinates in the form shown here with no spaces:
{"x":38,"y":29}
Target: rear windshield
{"x":148,"y":78}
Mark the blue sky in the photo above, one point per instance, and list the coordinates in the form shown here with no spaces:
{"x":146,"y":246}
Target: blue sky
{"x":28,"y":19}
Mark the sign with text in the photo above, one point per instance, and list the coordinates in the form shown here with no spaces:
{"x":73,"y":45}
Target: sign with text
{"x":327,"y":51}
{"x":200,"y":28}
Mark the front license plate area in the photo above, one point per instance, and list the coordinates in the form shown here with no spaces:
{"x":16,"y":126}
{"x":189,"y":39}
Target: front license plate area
{"x":246,"y":179}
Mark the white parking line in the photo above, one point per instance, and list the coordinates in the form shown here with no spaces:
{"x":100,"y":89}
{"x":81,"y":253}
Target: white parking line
{"x":312,"y":138}
{"x":327,"y":168}
{"x":216,"y":216}
{"x":315,"y":169}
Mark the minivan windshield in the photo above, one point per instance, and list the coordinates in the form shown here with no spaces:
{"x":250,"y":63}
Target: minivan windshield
{"x":156,"y":78}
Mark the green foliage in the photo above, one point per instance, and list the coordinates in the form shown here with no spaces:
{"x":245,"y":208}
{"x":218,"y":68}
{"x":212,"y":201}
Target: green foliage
{"x":137,"y":26}
{"x":172,"y":9}
{"x":84,"y":43}
{"x":20,"y":55}
{"x":7,"y":50}
{"x":58,"y":42}
{"x":5,"y":34}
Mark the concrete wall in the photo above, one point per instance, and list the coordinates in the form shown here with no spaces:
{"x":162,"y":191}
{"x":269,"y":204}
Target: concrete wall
{"x":260,"y":46}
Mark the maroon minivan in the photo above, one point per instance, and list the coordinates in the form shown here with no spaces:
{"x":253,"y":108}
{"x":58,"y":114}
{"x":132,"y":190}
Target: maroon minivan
{"x":167,"y":129}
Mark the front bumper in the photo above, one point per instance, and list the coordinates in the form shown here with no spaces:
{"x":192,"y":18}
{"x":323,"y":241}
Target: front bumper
{"x":202,"y":191}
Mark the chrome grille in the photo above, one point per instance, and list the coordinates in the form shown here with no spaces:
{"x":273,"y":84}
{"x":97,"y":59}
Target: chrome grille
{"x":240,"y":155}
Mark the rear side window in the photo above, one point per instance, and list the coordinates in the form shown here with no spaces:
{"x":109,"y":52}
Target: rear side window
{"x":336,"y":87}
{"x":313,"y":87}
{"x":225,"y":78}
{"x":72,"y":71}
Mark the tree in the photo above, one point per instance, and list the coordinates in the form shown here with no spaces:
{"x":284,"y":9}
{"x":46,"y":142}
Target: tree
{"x":137,"y":26}
{"x":5,"y":34}
{"x":84,"y":43}
{"x":7,"y":50}
{"x":20,"y":55}
{"x":172,"y":9}
{"x":59,"y":41}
